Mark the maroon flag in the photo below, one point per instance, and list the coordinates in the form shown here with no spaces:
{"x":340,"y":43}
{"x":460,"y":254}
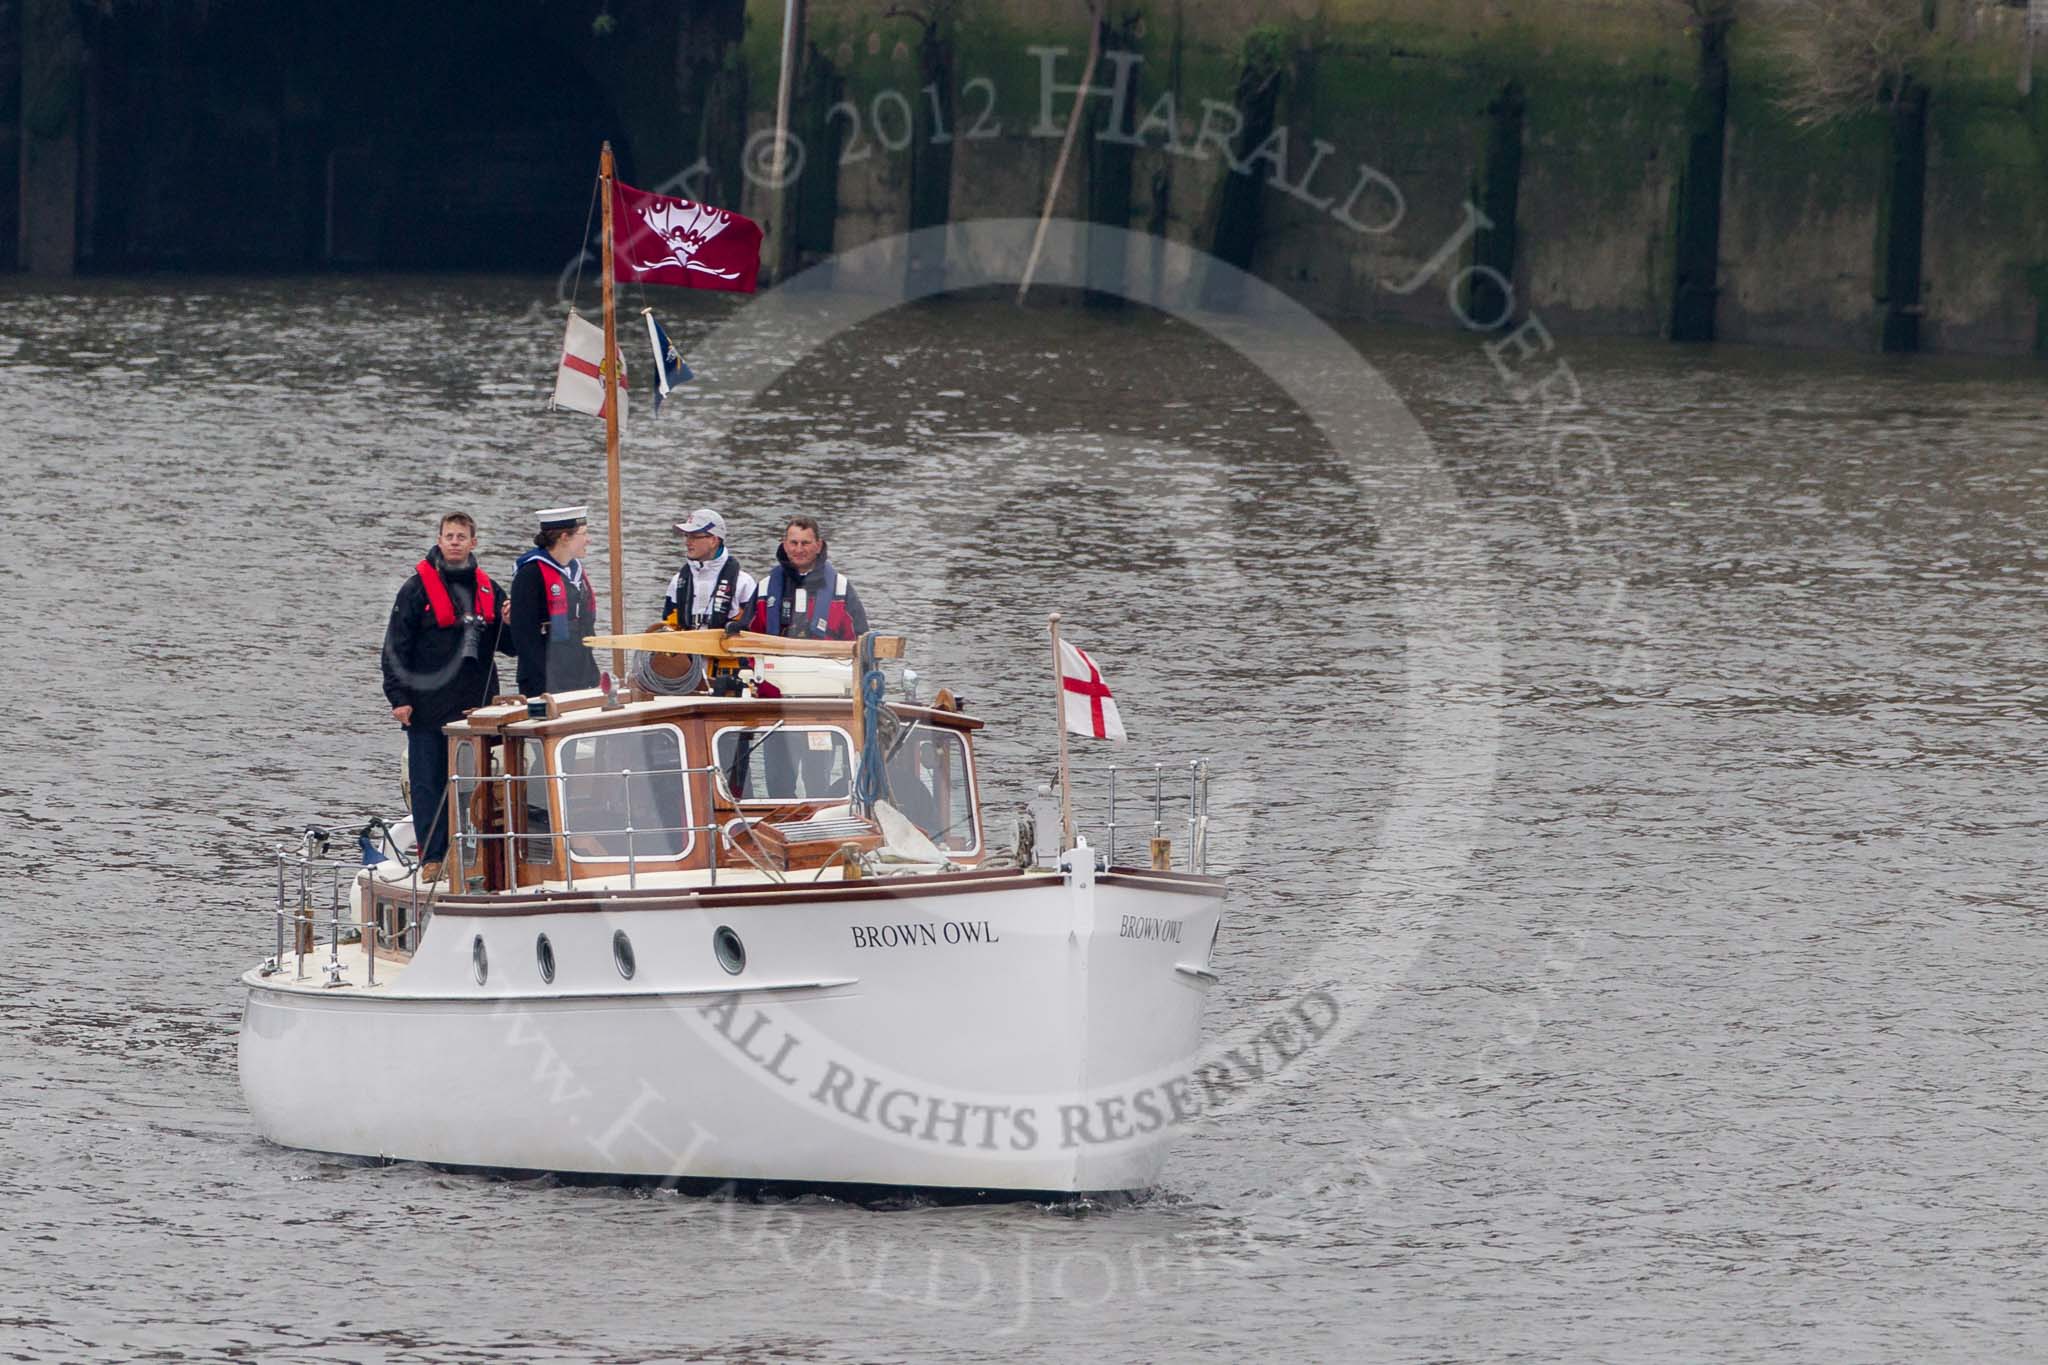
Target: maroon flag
{"x":658,"y":240}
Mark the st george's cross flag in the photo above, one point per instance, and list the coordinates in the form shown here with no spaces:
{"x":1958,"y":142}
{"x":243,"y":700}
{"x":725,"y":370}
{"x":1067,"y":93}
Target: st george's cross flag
{"x":1089,"y":708}
{"x":576,"y":378}
{"x":659,"y":240}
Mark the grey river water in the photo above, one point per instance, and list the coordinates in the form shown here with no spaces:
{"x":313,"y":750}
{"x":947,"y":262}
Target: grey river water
{"x":1712,"y":1032}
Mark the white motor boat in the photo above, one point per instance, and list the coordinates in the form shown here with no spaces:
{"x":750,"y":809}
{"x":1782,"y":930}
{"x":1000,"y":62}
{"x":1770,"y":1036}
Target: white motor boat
{"x":708,"y":938}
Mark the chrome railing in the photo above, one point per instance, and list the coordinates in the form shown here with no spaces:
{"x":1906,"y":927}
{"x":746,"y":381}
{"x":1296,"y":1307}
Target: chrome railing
{"x":311,"y":869}
{"x":305,"y":872}
{"x":468,"y":842}
{"x":1151,"y":782}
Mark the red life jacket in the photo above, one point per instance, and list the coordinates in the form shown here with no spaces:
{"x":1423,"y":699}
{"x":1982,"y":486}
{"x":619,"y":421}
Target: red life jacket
{"x":558,"y":590}
{"x":443,"y":606}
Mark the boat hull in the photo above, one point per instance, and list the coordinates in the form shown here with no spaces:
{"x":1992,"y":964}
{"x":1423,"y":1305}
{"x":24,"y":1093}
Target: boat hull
{"x":1007,"y":1034}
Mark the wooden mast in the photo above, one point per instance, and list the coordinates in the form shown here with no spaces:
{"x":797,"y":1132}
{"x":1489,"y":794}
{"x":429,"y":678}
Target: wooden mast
{"x":609,"y":377}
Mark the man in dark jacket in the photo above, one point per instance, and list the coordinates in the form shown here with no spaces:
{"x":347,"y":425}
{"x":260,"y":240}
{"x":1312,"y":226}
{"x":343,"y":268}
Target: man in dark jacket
{"x":554,"y":608}
{"x":446,"y":624}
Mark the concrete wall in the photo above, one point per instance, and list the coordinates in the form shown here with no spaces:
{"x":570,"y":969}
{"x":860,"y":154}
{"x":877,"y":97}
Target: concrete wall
{"x":1388,"y":117}
{"x":1987,"y":219}
{"x":1398,"y":91}
{"x":1799,"y":224}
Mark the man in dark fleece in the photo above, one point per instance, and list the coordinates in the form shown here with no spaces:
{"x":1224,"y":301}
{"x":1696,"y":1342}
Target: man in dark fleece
{"x":805,"y":597}
{"x":446,"y":623}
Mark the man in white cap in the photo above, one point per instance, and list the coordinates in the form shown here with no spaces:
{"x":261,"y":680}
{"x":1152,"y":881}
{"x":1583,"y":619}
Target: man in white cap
{"x":554,"y":608}
{"x":711,"y":590}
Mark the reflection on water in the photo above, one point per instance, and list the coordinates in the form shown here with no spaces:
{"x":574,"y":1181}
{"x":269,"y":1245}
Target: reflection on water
{"x":1730,"y":1047}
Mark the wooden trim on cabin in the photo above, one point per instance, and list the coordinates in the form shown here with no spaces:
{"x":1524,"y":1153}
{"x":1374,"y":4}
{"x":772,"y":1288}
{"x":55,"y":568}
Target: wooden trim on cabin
{"x":725,"y":710}
{"x":954,"y":720}
{"x":692,"y":898}
{"x":887,"y":888}
{"x":528,"y":870}
{"x":671,"y":892}
{"x":698,"y":719}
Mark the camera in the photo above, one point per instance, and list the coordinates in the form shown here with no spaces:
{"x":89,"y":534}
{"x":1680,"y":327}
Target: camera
{"x":473,"y":638}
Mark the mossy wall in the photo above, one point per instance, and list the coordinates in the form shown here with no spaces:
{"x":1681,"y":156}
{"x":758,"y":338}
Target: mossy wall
{"x":1390,"y":99}
{"x":1800,"y":216}
{"x":1577,"y":124}
{"x":1987,"y":184}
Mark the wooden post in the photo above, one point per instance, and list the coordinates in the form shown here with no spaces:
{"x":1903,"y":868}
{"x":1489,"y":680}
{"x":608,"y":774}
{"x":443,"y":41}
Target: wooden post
{"x":1059,"y":172}
{"x":782,"y":257}
{"x":52,"y":72}
{"x":610,"y":379}
{"x":1059,"y":697}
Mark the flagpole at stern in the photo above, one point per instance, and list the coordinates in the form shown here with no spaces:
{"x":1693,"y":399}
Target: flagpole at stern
{"x":610,"y":381}
{"x":1059,"y":697}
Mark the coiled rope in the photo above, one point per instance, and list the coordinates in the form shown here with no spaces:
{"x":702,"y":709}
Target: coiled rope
{"x":643,"y":674}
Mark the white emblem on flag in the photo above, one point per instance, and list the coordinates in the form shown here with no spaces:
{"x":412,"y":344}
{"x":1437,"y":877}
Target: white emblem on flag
{"x":685,"y":227}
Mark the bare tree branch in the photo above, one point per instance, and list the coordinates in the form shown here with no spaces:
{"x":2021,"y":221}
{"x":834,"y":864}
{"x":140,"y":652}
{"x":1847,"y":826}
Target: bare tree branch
{"x":1846,"y":57}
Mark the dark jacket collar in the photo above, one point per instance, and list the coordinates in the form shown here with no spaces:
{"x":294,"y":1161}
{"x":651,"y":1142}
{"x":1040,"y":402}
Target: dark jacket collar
{"x":465,"y":573}
{"x":818,"y":571}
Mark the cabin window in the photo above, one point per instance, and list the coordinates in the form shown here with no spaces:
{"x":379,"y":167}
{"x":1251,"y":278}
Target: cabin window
{"x":464,"y":784}
{"x":795,"y":763}
{"x":530,"y":803}
{"x":930,"y":782}
{"x":624,"y":794}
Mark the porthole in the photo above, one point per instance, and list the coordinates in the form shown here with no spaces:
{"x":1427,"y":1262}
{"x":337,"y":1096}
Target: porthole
{"x":544,"y":954}
{"x":481,"y":958}
{"x":622,"y":954}
{"x":732,"y":954}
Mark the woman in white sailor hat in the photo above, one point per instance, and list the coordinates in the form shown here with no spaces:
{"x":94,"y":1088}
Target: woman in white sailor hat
{"x":554,"y":608}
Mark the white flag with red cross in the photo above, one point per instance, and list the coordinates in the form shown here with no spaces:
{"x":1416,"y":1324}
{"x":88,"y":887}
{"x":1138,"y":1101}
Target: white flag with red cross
{"x":1090,"y":710}
{"x":577,"y":385}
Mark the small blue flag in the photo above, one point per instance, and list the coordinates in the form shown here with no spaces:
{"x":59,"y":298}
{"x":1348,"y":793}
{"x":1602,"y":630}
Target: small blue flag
{"x":669,"y":369}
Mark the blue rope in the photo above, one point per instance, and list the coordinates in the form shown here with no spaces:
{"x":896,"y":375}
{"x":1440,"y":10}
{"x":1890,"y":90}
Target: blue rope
{"x":871,"y":782}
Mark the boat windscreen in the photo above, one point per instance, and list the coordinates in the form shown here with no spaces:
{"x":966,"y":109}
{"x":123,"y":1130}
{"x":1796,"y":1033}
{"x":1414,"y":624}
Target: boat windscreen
{"x":795,"y":763}
{"x":624,"y":794}
{"x":929,"y":782}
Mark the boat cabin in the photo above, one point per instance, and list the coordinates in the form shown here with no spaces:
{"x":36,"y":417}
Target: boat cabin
{"x":654,"y":787}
